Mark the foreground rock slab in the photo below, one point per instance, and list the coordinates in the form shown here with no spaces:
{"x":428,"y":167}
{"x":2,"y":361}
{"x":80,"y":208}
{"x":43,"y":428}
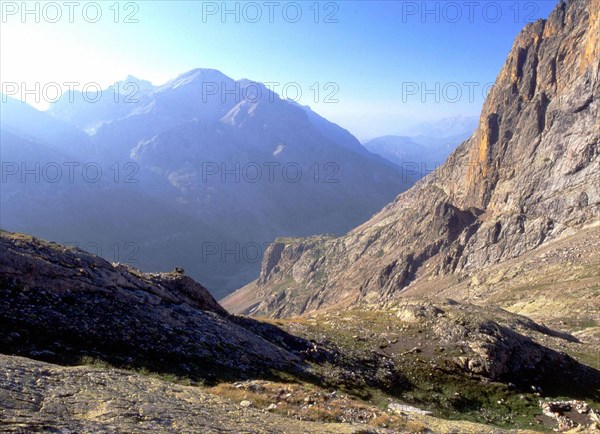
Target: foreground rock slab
{"x":40,"y":397}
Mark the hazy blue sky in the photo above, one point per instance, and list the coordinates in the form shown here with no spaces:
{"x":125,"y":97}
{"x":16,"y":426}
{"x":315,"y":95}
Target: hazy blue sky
{"x":380,"y":56}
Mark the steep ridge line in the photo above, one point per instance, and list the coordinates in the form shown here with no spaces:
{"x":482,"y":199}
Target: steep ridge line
{"x":529,"y":174}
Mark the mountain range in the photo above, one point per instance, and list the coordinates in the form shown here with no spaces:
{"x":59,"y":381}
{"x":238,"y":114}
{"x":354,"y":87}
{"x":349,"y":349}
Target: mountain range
{"x":417,"y":156}
{"x":221,"y":175}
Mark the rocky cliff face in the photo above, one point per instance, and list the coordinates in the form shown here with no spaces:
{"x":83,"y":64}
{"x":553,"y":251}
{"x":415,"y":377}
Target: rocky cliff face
{"x":528,"y":175}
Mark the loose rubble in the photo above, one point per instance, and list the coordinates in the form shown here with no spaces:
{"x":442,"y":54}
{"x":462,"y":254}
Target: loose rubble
{"x":570,"y":415}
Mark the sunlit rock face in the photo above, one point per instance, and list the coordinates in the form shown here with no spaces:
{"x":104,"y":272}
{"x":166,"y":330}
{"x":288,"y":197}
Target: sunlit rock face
{"x":528,"y":175}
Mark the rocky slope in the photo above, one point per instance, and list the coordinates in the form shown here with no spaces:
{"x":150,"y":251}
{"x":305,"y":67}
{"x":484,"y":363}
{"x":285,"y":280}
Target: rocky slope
{"x":546,"y":284}
{"x":459,"y":360}
{"x":40,"y":397}
{"x":64,"y":305}
{"x":528,"y":175}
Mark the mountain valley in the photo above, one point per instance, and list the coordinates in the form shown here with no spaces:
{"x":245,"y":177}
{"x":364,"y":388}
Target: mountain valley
{"x":465,"y":300}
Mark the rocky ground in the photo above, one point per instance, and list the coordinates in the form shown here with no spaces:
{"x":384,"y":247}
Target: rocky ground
{"x":426,"y":336}
{"x":40,"y":397}
{"x":556,"y":284}
{"x":459,"y":361}
{"x":63,"y":305}
{"x":416,"y":366}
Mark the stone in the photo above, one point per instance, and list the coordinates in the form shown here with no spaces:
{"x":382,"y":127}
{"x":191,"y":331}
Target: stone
{"x":42,"y":397}
{"x":402,"y":408}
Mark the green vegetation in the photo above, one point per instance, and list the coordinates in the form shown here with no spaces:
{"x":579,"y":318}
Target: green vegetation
{"x":430,"y":378}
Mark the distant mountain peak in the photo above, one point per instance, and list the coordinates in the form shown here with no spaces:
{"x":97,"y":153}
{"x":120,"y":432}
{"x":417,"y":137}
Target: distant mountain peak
{"x":198,"y":75}
{"x":187,"y":139}
{"x":143,"y":85}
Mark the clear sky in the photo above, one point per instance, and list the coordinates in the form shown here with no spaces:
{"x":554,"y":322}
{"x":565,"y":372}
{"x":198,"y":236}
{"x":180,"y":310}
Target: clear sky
{"x":388,"y":64}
